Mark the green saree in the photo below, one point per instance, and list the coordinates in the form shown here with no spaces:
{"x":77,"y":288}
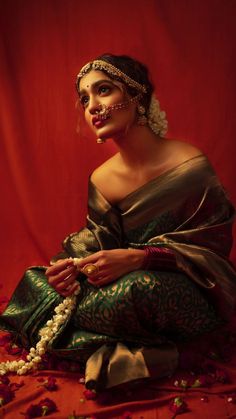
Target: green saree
{"x":185,"y":209}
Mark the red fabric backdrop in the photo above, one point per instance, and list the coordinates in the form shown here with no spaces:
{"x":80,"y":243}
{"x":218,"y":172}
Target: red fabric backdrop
{"x":189,"y":47}
{"x":44,"y":163}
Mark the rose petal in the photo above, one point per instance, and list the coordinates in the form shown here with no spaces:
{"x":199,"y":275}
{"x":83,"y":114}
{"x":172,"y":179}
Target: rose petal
{"x":178,"y":405}
{"x":5,"y":339}
{"x":6,"y":394}
{"x":126,"y":415}
{"x":90,"y":394}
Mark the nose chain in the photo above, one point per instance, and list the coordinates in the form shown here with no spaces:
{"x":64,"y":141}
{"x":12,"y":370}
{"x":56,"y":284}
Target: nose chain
{"x":104,"y":111}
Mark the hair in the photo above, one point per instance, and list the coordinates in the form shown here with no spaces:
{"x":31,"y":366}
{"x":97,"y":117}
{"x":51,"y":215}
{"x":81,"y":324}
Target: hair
{"x":135,"y":70}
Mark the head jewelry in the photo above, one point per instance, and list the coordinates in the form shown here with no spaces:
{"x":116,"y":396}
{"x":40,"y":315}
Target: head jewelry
{"x":155,"y":117}
{"x":113,"y":71}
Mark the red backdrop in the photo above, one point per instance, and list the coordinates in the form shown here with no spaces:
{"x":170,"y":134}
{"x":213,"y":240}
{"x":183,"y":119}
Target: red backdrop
{"x":189,"y":48}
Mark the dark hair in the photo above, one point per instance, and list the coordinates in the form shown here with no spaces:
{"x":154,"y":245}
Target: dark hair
{"x":135,"y":70}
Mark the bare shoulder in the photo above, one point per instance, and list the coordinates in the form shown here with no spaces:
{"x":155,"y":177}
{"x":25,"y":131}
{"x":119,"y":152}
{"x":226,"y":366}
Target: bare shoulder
{"x":180,"y":151}
{"x":103,"y":175}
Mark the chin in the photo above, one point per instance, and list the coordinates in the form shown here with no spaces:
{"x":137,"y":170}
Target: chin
{"x":114,"y":133}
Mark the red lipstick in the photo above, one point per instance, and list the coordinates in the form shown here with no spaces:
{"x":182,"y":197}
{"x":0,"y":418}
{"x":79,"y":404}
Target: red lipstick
{"x":98,"y":122}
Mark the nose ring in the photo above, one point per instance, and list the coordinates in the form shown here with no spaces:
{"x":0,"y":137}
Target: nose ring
{"x":103,"y":112}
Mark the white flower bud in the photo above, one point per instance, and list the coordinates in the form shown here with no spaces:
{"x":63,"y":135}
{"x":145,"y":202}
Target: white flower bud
{"x":36,"y":360}
{"x":21,"y":362}
{"x":3,"y":372}
{"x":41,"y":351}
{"x":23,"y":370}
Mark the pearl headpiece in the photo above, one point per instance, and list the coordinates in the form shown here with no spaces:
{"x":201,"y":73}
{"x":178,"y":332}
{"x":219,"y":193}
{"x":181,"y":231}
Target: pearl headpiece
{"x":113,"y":71}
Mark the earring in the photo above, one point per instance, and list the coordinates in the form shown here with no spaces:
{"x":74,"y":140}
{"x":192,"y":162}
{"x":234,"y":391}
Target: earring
{"x":100,"y":141}
{"x":142,"y":119}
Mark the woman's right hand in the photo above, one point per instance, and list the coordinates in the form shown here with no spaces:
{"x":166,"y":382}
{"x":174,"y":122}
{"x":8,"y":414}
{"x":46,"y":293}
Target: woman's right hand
{"x":62,"y":277}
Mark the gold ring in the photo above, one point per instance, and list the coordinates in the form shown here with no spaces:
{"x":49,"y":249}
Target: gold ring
{"x":65,"y":279}
{"x":90,"y":269}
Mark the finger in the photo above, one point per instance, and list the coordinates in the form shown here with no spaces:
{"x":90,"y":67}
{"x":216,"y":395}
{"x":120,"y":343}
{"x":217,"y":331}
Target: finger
{"x":97,"y":281}
{"x":94,"y":284}
{"x":89,"y":259}
{"x":67,"y":288}
{"x":67,"y":282}
{"x":70,"y":290}
{"x":60,"y":277}
{"x":92,"y":270}
{"x":58,"y":266}
{"x":53,"y":262}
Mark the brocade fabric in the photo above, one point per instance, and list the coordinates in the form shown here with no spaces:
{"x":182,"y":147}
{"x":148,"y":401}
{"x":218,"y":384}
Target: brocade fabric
{"x":185,"y":210}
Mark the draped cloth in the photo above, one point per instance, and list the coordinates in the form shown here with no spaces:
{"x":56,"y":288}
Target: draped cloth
{"x":129,"y":328}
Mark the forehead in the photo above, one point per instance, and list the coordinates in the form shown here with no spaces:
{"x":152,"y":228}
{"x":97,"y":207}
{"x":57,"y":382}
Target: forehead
{"x":92,"y":77}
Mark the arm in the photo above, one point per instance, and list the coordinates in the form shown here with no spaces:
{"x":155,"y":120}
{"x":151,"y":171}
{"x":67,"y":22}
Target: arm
{"x":112,"y":264}
{"x":102,"y":232}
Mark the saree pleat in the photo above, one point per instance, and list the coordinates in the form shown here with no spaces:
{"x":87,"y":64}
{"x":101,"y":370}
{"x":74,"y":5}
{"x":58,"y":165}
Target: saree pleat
{"x":185,"y":209}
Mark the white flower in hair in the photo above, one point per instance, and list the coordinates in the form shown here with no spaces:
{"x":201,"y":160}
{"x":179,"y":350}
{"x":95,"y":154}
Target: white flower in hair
{"x":157,"y":118}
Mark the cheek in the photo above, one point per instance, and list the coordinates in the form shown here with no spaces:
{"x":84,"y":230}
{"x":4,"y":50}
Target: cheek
{"x":128,"y":116}
{"x":87,"y":118}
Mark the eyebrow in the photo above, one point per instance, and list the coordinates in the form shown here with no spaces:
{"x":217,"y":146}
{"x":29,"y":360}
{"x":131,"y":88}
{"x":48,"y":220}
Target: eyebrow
{"x":95,"y":84}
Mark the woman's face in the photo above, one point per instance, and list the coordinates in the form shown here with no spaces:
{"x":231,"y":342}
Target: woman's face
{"x":97,"y":89}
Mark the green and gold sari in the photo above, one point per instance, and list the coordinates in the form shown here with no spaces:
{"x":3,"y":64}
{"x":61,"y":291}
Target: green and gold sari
{"x":185,"y":209}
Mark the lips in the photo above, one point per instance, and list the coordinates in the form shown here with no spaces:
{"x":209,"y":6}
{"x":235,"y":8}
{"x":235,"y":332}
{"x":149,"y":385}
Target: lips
{"x":98,"y":122}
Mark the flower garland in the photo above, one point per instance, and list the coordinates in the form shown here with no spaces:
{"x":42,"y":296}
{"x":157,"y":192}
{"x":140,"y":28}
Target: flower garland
{"x":62,"y":313}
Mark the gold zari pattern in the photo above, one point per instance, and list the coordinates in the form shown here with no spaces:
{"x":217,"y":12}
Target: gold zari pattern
{"x":195,"y":222}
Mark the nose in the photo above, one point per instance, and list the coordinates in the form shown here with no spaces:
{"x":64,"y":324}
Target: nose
{"x":94,"y":105}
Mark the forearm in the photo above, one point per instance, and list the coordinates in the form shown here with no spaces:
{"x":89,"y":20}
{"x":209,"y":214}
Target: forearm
{"x":135,"y":258}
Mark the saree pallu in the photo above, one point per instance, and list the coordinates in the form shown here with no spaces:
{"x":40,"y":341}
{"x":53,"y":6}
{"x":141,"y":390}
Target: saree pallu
{"x":185,"y":209}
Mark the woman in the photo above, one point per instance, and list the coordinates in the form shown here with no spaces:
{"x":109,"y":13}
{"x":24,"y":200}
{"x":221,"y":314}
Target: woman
{"x":152,"y":264}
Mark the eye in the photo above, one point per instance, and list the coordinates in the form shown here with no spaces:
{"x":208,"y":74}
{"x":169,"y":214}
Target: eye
{"x":84,"y":100}
{"x":104,"y":89}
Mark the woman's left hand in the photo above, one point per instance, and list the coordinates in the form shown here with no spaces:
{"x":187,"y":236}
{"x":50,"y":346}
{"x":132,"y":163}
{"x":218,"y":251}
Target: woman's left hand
{"x":109,"y":265}
{"x":62,"y":277}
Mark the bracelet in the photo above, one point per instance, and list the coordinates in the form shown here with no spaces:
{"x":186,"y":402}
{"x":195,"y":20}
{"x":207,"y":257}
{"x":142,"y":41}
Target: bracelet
{"x":159,"y":258}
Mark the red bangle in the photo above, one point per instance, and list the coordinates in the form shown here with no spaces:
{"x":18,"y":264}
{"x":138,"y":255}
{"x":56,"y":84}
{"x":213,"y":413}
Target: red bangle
{"x":159,"y":258}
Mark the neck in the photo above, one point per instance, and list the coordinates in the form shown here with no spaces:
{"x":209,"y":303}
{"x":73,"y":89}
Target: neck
{"x":138,"y":146}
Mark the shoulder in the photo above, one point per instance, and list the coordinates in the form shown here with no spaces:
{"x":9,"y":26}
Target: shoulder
{"x":104,"y":175}
{"x":191,"y":164}
{"x":196,"y":173}
{"x":181,"y":151}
